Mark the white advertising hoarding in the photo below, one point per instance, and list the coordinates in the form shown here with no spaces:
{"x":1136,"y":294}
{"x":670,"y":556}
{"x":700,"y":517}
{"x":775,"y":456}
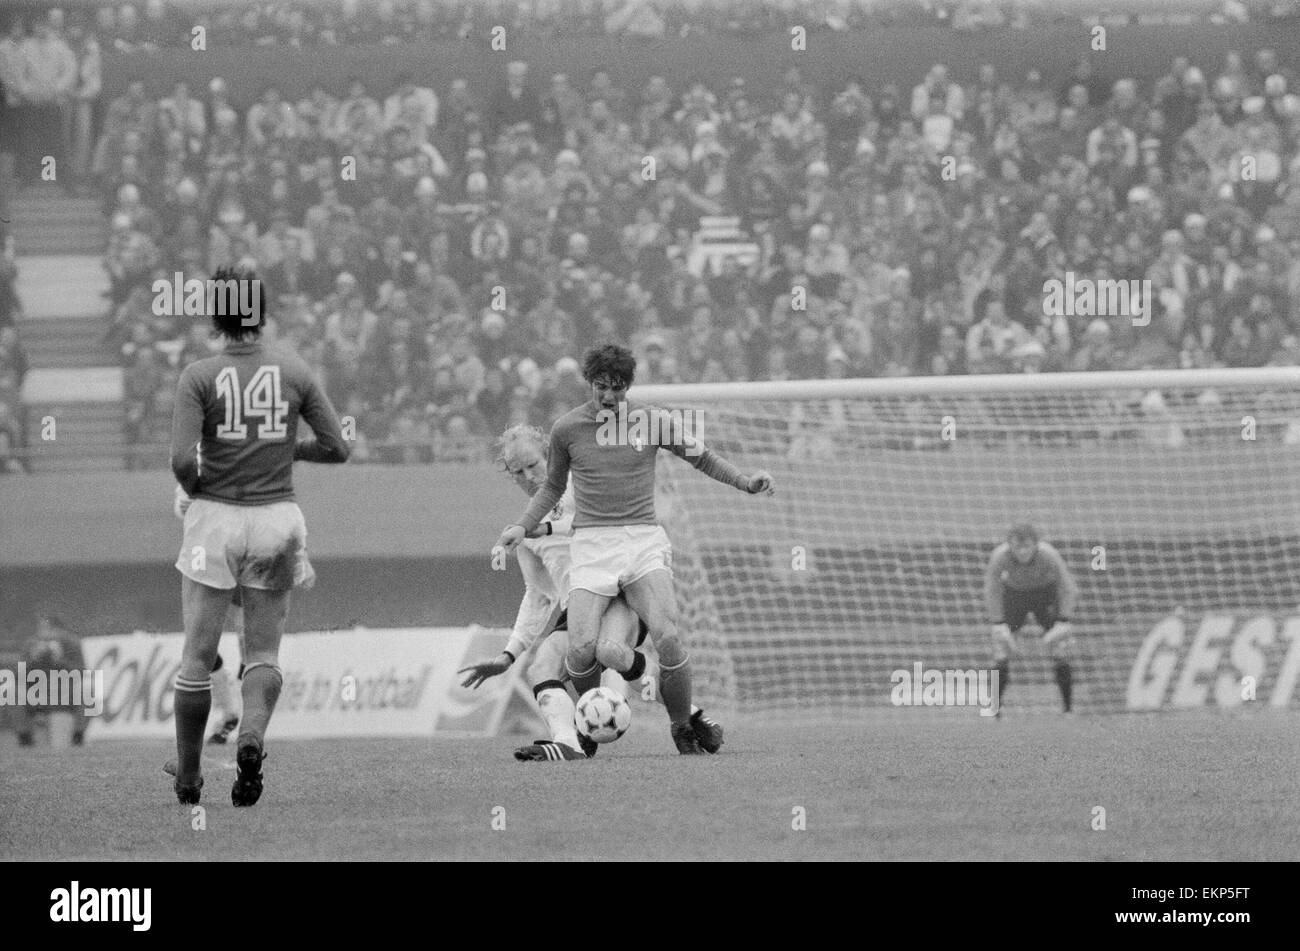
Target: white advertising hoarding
{"x":363,"y":682}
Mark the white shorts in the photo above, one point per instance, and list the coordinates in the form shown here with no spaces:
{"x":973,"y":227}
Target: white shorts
{"x":607,"y":558}
{"x":253,"y":546}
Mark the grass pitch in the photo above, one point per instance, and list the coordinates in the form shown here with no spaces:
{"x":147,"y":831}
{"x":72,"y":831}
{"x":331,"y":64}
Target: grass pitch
{"x":914,"y":786}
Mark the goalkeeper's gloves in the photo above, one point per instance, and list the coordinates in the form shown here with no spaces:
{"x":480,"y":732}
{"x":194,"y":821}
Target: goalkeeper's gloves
{"x":1002,"y":635}
{"x":1058,"y":631}
{"x":181,"y":503}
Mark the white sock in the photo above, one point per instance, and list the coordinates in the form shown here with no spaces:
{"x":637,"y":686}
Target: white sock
{"x":223,"y":695}
{"x":558,"y":711}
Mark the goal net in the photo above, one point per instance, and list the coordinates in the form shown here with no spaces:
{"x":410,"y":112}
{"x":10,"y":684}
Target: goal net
{"x":1169,"y":493}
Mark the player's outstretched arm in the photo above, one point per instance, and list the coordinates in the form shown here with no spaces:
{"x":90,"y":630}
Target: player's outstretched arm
{"x":484,"y":671}
{"x":694,"y":451}
{"x":480,"y":673}
{"x":720,"y":470}
{"x":317,"y":411}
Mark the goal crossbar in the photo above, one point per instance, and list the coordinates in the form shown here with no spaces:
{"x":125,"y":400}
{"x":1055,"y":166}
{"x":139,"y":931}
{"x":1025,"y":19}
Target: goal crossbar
{"x":1250,"y":378}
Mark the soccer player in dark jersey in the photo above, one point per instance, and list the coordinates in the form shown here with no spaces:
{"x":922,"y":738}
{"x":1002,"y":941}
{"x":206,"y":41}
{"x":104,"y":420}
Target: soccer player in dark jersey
{"x":545,"y":563}
{"x":234,"y":442}
{"x":618,"y":544}
{"x":1027,"y":576}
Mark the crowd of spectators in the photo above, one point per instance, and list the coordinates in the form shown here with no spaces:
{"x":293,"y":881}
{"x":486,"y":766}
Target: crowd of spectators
{"x":444,"y":289}
{"x":157,"y":24}
{"x":50,"y":81}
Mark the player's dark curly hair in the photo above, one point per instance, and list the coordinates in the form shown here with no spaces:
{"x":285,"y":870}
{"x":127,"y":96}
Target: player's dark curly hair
{"x":231,"y":286}
{"x":609,"y":360}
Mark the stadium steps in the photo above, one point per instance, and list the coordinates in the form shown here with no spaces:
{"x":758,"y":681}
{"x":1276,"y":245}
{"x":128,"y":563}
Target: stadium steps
{"x":60,"y":286}
{"x":46,"y":221}
{"x":72,"y":342}
{"x":86,"y":405}
{"x":88,"y":437}
{"x":72,"y":375}
{"x":65,"y":312}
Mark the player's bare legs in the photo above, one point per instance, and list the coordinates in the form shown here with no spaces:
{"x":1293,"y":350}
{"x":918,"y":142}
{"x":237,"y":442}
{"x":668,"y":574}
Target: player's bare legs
{"x":265,"y":613}
{"x":586,"y":608}
{"x":616,"y":650}
{"x":618,"y":628}
{"x":204,"y":609}
{"x":651,"y":596}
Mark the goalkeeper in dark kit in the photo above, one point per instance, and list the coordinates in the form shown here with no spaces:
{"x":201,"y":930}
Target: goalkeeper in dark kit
{"x":1025,"y":576}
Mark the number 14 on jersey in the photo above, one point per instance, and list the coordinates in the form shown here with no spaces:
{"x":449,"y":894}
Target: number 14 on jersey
{"x":260,"y":397}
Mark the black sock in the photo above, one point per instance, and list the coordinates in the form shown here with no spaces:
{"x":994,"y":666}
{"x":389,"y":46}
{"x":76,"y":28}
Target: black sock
{"x":1065,"y":680}
{"x":192,"y":703}
{"x":637,"y":669}
{"x":547,"y":685}
{"x":1004,"y":678}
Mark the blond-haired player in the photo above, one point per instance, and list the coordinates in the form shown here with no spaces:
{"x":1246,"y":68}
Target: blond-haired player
{"x":618,"y":545}
{"x":544,"y":561}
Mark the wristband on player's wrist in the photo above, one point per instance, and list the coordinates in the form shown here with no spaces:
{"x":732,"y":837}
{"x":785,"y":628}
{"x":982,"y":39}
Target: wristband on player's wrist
{"x":550,"y":529}
{"x":511,"y":656}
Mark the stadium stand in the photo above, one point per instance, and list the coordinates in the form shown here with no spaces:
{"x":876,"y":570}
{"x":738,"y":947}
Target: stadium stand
{"x":442,"y":292}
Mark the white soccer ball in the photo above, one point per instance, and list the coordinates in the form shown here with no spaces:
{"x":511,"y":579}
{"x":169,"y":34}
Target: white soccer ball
{"x":602,"y":715}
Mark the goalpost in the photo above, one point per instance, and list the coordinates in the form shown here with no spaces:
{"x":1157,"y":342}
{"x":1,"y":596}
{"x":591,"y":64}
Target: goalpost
{"x":1169,"y":493}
